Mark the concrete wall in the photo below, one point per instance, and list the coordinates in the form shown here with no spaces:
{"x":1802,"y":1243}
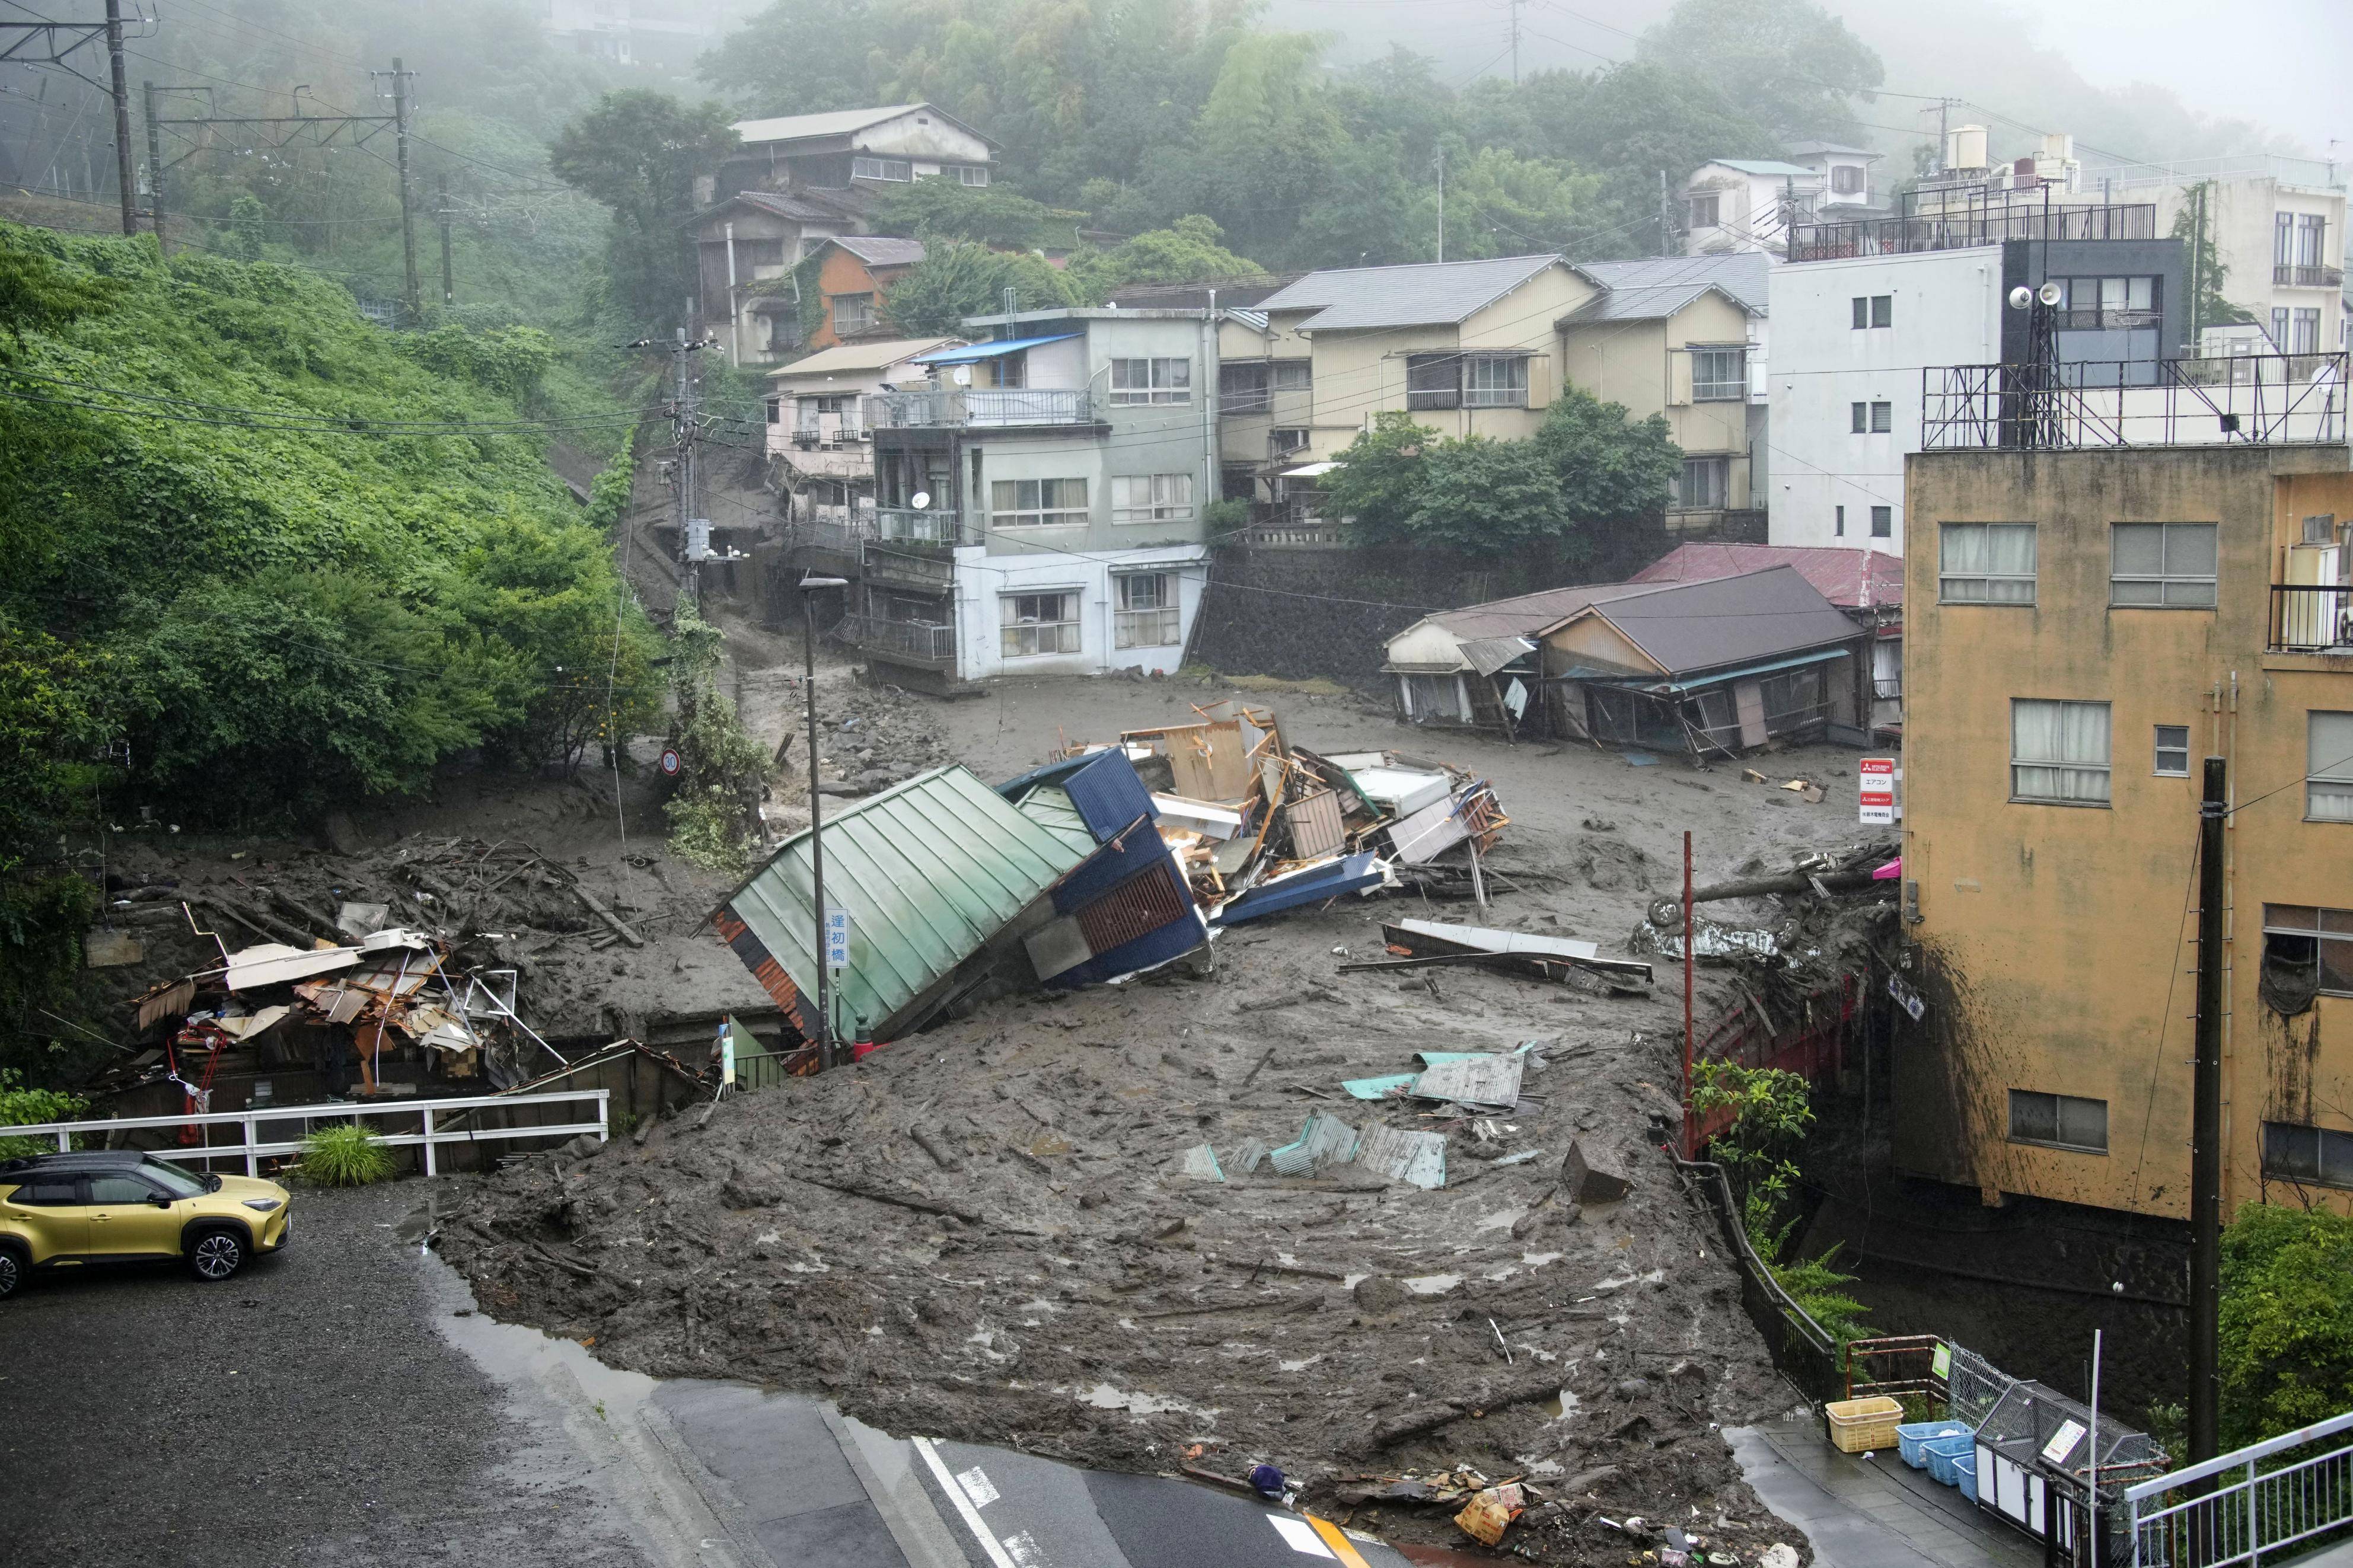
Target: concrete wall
{"x":2055,"y":942}
{"x":1947,"y":312}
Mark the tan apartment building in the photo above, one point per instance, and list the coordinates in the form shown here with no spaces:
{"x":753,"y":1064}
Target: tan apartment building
{"x":2082,"y":627}
{"x":1483,"y":348}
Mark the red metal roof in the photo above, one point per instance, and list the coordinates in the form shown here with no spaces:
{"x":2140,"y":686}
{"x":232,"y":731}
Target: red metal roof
{"x":1851,"y":579}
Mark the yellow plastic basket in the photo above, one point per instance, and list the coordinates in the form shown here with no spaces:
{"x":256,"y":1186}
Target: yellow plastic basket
{"x":1863,"y":1425}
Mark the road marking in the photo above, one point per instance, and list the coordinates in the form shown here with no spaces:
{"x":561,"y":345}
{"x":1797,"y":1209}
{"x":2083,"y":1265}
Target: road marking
{"x":1024,"y":1548}
{"x":976,"y":1485}
{"x":1338,"y":1541}
{"x":969,"y":1514}
{"x":1301,"y":1535}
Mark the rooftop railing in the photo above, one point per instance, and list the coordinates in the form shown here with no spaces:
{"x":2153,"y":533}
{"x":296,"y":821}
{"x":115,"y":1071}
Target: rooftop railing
{"x":1964,"y":224}
{"x":970,"y":407}
{"x":2259,"y":400}
{"x":924,"y":642}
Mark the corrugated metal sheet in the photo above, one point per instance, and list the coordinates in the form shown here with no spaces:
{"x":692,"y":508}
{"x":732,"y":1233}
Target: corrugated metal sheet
{"x":1851,"y":579}
{"x":929,"y":871}
{"x":1405,"y":1155}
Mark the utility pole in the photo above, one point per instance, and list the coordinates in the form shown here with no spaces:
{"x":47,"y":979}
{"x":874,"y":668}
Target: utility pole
{"x":1666,"y":218}
{"x":2206,"y":1127}
{"x":154,"y":164}
{"x":1442,"y":204}
{"x":1515,"y":6}
{"x":2197,"y":255}
{"x":682,"y":431}
{"x":400,"y":81}
{"x":122,"y":95}
{"x":449,"y":291}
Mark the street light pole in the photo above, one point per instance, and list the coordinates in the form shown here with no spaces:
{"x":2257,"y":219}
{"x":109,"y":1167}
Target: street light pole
{"x":826,"y":1054}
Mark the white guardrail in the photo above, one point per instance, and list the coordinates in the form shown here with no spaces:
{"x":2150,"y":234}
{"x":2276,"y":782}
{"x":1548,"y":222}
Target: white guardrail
{"x":2261,"y":1504}
{"x":252,"y":1148}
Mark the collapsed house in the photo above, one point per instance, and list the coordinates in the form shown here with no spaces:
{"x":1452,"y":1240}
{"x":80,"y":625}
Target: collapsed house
{"x":1113,"y":859}
{"x":1718,"y":666}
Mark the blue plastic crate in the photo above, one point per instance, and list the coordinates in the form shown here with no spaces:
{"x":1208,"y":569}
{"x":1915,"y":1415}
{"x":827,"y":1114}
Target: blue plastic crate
{"x":1949,"y":1456}
{"x":1909,"y":1437}
{"x":1966,"y":1465}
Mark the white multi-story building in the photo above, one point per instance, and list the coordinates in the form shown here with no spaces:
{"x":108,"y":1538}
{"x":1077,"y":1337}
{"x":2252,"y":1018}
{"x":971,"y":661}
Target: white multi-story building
{"x":1748,"y":203}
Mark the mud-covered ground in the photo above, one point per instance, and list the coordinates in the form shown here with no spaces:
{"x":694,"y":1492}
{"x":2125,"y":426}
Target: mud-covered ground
{"x":983,"y":1232}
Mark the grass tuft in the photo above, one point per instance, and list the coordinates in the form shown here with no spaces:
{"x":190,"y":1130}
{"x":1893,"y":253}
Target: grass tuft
{"x":346,"y":1155}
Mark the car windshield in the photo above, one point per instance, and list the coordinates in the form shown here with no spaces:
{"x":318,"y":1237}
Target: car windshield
{"x":180,"y":1184}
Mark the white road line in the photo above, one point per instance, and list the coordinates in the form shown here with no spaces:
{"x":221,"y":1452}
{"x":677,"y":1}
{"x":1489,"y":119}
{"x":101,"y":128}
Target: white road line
{"x":970,"y":1515}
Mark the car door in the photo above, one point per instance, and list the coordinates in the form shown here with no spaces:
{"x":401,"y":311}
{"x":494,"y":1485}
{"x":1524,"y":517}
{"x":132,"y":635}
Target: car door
{"x":48,"y":1212}
{"x":129,"y":1217}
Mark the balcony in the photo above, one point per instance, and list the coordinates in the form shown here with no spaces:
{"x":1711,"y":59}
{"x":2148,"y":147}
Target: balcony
{"x":926,"y":570}
{"x":2261,"y":400}
{"x":838,"y":531}
{"x":922,"y":643}
{"x":2312,"y":619}
{"x":907,"y":525}
{"x":974,"y":407}
{"x":2299,"y":276}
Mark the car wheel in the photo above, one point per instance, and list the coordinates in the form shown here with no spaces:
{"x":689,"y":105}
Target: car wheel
{"x":12,"y":1272}
{"x":216,"y":1254}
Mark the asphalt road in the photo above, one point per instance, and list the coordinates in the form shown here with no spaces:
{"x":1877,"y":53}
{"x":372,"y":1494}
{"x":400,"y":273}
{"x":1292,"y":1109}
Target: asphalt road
{"x":343,"y":1403}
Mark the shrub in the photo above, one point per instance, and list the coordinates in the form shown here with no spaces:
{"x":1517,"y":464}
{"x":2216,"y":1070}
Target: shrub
{"x":20,"y":1105}
{"x":345,"y":1155}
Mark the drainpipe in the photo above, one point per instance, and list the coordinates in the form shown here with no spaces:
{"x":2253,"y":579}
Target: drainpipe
{"x":1208,"y":412}
{"x":734,"y":331}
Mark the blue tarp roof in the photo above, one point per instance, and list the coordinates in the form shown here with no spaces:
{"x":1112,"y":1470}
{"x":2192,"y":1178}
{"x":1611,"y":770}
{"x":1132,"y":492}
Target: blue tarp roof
{"x":992,"y":351}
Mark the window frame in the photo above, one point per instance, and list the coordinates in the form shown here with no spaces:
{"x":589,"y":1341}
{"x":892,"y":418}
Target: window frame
{"x":1069,"y":630}
{"x":1038,"y":513}
{"x":869,"y":314}
{"x":1882,"y":522}
{"x":1163,"y":620}
{"x":1293,"y":375}
{"x":965,"y":173}
{"x":2335,"y":776}
{"x":2330,"y":926}
{"x":1946,"y":576}
{"x":2275,"y":1169}
{"x":1512,"y":390}
{"x":2165,"y":577}
{"x":1861,"y":312}
{"x":1152,"y":507}
{"x":2058,"y":1129}
{"x":1882,"y":417}
{"x":2106,"y":769}
{"x":1858,"y":418}
{"x":1245,"y":386}
{"x":1883,"y":310}
{"x":1429,"y":396}
{"x":1720,"y":470}
{"x":2159,"y":750}
{"x":1717,"y":388}
{"x":1167,"y":381}
{"x":880,"y":169}
{"x":1710,"y":202}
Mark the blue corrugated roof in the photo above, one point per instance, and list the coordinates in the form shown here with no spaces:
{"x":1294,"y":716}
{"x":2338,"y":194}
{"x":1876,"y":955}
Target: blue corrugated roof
{"x":992,"y":351}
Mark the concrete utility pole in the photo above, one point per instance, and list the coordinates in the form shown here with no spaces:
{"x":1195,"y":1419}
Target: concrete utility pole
{"x":449,"y":291}
{"x":2206,"y":1127}
{"x":122,"y":95}
{"x":1666,"y":218}
{"x":154,"y":164}
{"x":1515,"y":6}
{"x":1442,"y":204}
{"x":682,"y":432}
{"x":400,"y":81}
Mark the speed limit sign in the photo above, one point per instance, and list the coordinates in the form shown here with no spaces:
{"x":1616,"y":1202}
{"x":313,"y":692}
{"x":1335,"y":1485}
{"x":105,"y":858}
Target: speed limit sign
{"x":669,"y":762}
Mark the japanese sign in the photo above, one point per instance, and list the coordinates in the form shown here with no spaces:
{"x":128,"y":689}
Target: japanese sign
{"x":837,"y":939}
{"x":1875,"y":781}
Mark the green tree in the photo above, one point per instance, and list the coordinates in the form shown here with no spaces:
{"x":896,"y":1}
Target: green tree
{"x":1264,"y":143}
{"x":2286,"y":1331}
{"x":1377,"y":486}
{"x":1787,"y":65}
{"x":960,"y":280}
{"x":1186,"y":251}
{"x":2208,"y":275}
{"x":1482,"y":497}
{"x":1611,"y":467}
{"x":638,"y":153}
{"x":941,"y":208}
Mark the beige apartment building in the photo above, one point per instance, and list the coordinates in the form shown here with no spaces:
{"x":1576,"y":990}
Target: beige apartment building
{"x":2082,"y":627}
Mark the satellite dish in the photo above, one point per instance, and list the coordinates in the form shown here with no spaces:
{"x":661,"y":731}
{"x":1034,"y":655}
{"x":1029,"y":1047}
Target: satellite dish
{"x":961,"y":375}
{"x":2050,"y":294}
{"x":2020,"y":297}
{"x":920,"y":499}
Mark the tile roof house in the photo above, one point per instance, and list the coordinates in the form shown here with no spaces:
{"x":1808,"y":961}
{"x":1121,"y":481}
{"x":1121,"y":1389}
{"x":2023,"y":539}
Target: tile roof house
{"x":854,"y":274}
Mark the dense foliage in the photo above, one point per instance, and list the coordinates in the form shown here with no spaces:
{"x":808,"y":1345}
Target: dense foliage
{"x":639,"y":151}
{"x":2287,"y":1321}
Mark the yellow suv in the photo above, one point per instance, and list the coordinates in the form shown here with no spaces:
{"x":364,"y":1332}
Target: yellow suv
{"x":67,"y":1211}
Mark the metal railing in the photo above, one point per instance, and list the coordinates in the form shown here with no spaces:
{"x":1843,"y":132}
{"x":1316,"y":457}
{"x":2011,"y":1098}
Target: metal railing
{"x":2259,"y":400}
{"x":2271,"y":1501}
{"x":907,"y":525}
{"x":922,"y":641}
{"x":2316,"y":618}
{"x":252,"y":1148}
{"x":2300,"y":275}
{"x":1965,"y":223}
{"x":971,"y":406}
{"x":1812,"y":1045}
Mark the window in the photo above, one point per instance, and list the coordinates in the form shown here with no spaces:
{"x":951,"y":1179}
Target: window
{"x":2058,"y":753}
{"x":2279,"y":328}
{"x":1704,"y":483}
{"x":880,"y":169}
{"x":1703,"y":210}
{"x":1846,"y":180}
{"x":775,"y":411}
{"x":1859,"y":418}
{"x":2304,"y":333}
{"x":2283,"y":240}
{"x":46,"y":1192}
{"x":2328,"y":767}
{"x":1036,"y":503}
{"x":1242,"y":387}
{"x":1433,"y":381}
{"x":2320,"y":1155}
{"x":2172,"y":751}
{"x":1495,"y":381}
{"x":111,"y":1189}
{"x":852,"y":313}
{"x":1883,"y":310}
{"x":1719,"y":375}
{"x":1293,"y":375}
{"x":1147,"y":610}
{"x":1985,"y":563}
{"x":2312,"y":945}
{"x":1152,"y":381}
{"x":2059,"y":1120}
{"x":1288,"y":440}
{"x":1035,"y":624}
{"x":1882,"y":522}
{"x":2107,"y":302}
{"x":971,"y":174}
{"x":1151,"y":498}
{"x":1861,"y":312}
{"x":1838,"y":523}
{"x":2167,"y":566}
{"x":1882,"y":418}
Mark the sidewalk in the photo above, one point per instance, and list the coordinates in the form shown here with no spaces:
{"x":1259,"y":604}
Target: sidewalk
{"x":1870,"y":1513}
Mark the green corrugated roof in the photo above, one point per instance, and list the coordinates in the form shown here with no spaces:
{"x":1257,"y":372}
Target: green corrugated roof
{"x":1049,"y":805}
{"x":929,"y":871}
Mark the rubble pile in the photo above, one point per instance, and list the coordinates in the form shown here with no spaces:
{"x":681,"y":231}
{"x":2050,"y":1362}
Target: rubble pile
{"x":868,"y":738}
